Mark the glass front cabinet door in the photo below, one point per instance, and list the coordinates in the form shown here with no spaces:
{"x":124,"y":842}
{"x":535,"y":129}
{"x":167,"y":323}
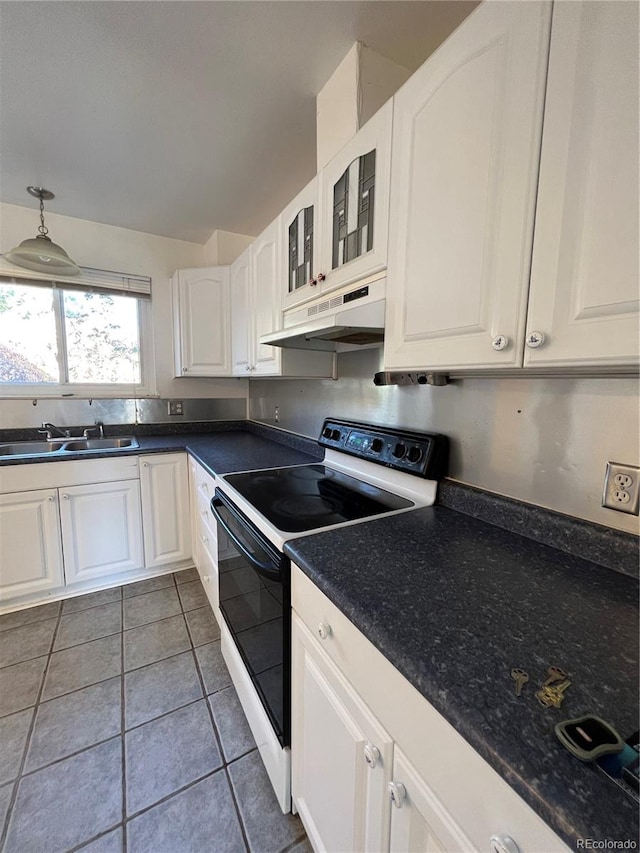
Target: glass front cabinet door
{"x":299,"y":235}
{"x":355,"y":205}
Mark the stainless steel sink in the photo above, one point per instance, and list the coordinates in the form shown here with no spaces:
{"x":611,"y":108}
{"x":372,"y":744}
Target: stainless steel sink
{"x":100,"y":444}
{"x":67,"y":445}
{"x":30,"y":448}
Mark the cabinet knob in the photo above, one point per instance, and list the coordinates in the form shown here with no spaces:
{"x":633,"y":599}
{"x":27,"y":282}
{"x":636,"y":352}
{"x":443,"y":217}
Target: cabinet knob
{"x":500,"y":342}
{"x":247,"y":368}
{"x":324,"y":630}
{"x":184,"y":369}
{"x":312,"y":282}
{"x":371,"y":754}
{"x":535,"y":339}
{"x":205,"y":540}
{"x":51,"y":498}
{"x":206,"y":578}
{"x":503,"y":844}
{"x":145,"y":464}
{"x":65,"y":497}
{"x":398,"y":794}
{"x":321,"y":276}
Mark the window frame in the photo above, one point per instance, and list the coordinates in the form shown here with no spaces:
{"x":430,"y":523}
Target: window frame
{"x":101,"y":390}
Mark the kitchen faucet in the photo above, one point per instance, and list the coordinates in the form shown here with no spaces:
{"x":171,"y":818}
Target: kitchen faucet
{"x":99,"y":426}
{"x":52,"y":429}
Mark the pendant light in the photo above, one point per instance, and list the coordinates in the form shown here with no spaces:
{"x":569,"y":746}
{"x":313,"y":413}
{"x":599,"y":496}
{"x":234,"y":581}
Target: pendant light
{"x":40,"y":253}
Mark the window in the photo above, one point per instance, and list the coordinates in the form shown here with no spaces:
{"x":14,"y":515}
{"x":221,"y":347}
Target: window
{"x":60,"y":339}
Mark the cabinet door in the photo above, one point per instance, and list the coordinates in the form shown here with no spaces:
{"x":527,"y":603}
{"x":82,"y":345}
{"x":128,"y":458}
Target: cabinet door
{"x":300,"y":239}
{"x":419,"y":823}
{"x":584,"y":282}
{"x":202,"y":307}
{"x":165,"y":509}
{"x":354,"y":190}
{"x":30,"y":551}
{"x":101,"y":529}
{"x":341,"y":755}
{"x":239,"y":273}
{"x":265,"y":299}
{"x":466,"y":143}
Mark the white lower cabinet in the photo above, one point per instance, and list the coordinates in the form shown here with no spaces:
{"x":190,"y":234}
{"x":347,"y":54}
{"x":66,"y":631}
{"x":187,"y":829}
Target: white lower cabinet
{"x":70,"y":527}
{"x":165,"y":508}
{"x":418,"y":821}
{"x":342,"y":755}
{"x":30,"y":548}
{"x":101,"y":529}
{"x":374,"y":765}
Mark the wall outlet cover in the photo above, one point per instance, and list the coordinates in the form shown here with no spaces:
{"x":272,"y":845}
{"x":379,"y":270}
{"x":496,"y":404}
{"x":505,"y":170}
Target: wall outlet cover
{"x":622,"y":488}
{"x":176,"y":407}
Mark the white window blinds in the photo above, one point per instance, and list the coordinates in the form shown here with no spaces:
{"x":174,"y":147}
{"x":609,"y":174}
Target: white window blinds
{"x":94,"y":281}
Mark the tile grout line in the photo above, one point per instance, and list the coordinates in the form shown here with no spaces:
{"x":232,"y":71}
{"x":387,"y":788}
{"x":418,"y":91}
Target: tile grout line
{"x":220,"y":747}
{"x":122,"y":728}
{"x":27,"y":743}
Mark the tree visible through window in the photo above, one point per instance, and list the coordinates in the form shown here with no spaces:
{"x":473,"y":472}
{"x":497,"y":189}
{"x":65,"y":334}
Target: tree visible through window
{"x":60,"y":337}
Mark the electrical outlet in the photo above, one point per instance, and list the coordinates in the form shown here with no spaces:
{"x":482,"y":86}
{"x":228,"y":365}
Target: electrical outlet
{"x":621,"y":488}
{"x":276,"y":414}
{"x":176,"y":407}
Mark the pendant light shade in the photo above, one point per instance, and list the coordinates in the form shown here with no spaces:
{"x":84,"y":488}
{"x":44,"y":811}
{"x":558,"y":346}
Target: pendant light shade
{"x":40,"y":253}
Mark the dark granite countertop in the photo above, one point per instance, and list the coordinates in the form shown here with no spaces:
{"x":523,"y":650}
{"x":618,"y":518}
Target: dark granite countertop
{"x":455,"y":603}
{"x":222,"y":448}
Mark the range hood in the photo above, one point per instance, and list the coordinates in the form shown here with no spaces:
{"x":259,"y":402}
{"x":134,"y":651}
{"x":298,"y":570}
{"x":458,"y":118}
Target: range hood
{"x":353,"y":318}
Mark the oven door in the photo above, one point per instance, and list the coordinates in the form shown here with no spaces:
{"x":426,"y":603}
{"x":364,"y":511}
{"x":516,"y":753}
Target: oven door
{"x":255,"y":601}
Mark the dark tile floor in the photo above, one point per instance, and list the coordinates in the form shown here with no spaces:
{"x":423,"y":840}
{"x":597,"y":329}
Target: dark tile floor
{"x":120,"y":730}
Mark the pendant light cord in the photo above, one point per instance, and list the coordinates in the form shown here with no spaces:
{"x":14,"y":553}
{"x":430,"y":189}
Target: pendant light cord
{"x":43,"y":228}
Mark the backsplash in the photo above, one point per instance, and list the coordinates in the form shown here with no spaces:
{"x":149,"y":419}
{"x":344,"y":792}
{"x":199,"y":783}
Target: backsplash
{"x":543,"y":441}
{"x":18,"y":414}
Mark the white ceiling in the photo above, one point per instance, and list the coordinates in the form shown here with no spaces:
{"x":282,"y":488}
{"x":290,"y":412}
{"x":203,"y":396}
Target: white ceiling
{"x":178,"y":118}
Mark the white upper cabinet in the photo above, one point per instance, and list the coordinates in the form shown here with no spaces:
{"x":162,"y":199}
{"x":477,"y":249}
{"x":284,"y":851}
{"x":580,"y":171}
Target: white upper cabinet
{"x":265,"y":309}
{"x":239,"y":273}
{"x":584,"y":280}
{"x":256,"y":278}
{"x":201,"y":322}
{"x":354,"y":205}
{"x":466,"y":143}
{"x":300,"y":238}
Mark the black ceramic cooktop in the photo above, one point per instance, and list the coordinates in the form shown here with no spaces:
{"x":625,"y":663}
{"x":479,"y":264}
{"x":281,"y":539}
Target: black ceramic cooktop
{"x":307,"y":497}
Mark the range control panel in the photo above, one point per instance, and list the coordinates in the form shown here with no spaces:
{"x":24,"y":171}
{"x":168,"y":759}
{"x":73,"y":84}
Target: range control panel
{"x":420,"y":453}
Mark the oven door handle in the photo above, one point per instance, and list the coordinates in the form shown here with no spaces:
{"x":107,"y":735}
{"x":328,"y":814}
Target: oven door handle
{"x":264,"y":569}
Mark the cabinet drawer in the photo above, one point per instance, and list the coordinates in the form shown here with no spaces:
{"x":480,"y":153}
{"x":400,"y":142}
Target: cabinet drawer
{"x":479,"y":800}
{"x":74,"y":472}
{"x":204,"y":517}
{"x":204,"y":482}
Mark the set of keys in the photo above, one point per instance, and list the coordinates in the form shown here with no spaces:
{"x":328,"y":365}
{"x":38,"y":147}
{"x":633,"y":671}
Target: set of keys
{"x":552,"y":691}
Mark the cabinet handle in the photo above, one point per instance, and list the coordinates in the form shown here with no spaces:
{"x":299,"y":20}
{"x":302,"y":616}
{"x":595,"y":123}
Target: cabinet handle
{"x":500,"y":342}
{"x":65,"y":497}
{"x":371,"y":755}
{"x":324,"y":630}
{"x":398,"y":794}
{"x":503,"y":844}
{"x":535,"y":339}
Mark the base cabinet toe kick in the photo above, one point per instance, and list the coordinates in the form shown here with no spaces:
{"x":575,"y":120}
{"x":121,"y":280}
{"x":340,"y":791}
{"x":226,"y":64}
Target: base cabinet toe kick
{"x":374,"y":766}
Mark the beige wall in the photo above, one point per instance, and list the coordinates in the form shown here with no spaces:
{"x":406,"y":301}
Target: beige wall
{"x":92,"y":244}
{"x":545,"y":441}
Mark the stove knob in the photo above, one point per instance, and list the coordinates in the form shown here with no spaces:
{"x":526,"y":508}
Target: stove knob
{"x":335,"y":434}
{"x":326,"y":432}
{"x":399,"y":450}
{"x":377,"y":444}
{"x":414,"y":454}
